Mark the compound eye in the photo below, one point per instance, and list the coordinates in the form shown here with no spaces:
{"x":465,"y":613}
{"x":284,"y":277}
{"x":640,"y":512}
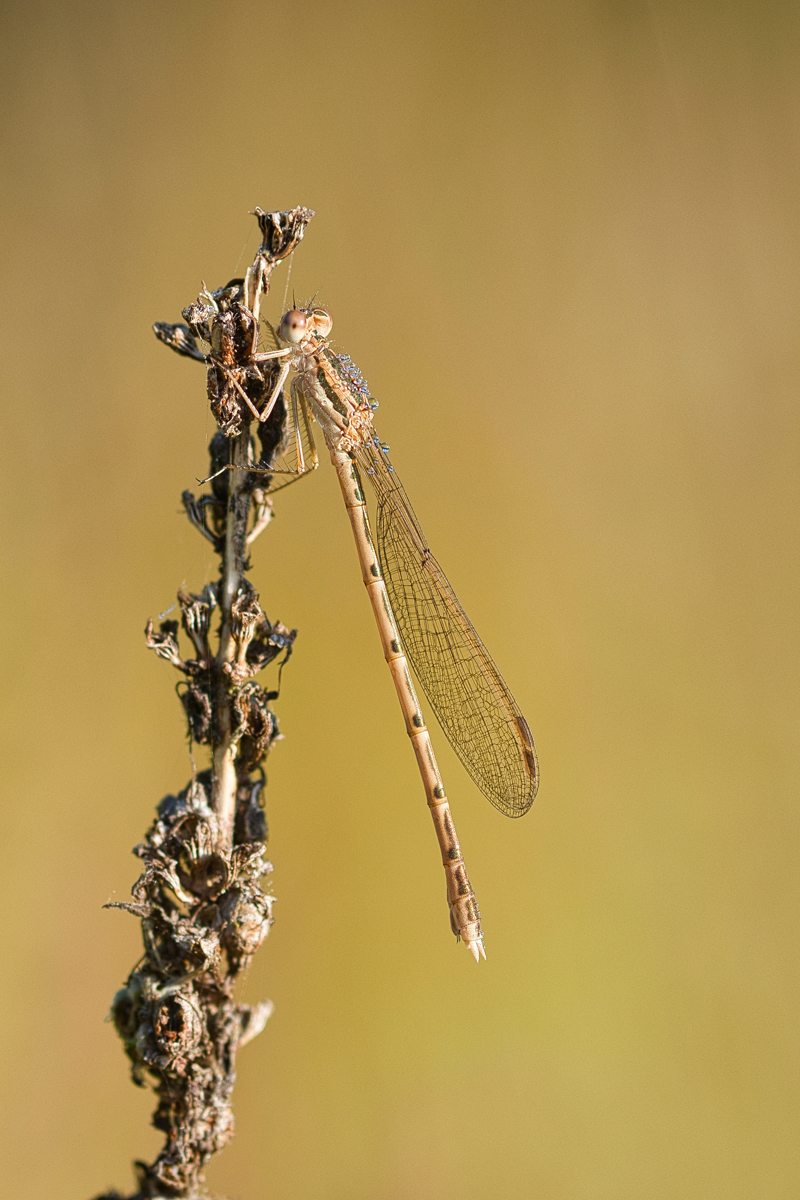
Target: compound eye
{"x":293,"y":327}
{"x":321,"y":320}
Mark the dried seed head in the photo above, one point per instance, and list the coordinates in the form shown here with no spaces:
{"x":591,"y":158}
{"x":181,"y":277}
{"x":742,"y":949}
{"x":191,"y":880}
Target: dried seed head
{"x":251,"y":820}
{"x":196,"y":618}
{"x":246,"y":612}
{"x":256,"y":727}
{"x":125,"y":1009}
{"x":247,"y":922}
{"x":177,"y":1026}
{"x":180,"y":339}
{"x":204,"y":877}
{"x":202,"y":869}
{"x":165,"y":642}
{"x":281,"y":231}
{"x":199,"y":712}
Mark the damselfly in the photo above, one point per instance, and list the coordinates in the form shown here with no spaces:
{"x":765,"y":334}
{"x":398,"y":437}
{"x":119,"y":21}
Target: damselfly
{"x":417,"y":612}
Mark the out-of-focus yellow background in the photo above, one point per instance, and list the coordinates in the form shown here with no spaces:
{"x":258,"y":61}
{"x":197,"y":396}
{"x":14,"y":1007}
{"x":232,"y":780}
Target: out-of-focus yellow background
{"x":562,"y":241}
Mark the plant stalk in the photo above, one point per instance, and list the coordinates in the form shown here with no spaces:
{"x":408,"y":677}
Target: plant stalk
{"x":200,"y":899}
{"x":224,"y":785}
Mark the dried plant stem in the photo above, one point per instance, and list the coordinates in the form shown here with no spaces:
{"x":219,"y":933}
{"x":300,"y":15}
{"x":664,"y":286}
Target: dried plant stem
{"x":200,"y":899}
{"x":223,"y":795}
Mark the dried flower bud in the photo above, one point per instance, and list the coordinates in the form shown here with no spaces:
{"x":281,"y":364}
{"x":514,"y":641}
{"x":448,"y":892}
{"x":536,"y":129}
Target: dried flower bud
{"x":247,"y":922}
{"x":196,"y":620}
{"x":180,"y":339}
{"x":199,"y":714}
{"x":246,"y":612}
{"x":177,"y":1026}
{"x":281,"y":231}
{"x":165,"y":642}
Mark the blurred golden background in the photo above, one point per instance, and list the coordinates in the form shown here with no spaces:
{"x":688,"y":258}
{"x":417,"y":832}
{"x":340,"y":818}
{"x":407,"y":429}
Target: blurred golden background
{"x":562,"y":242}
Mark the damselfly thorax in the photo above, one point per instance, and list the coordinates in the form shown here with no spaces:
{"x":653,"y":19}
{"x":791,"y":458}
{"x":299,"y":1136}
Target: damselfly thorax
{"x":330,"y":383}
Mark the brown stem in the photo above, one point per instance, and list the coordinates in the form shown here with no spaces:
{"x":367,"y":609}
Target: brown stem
{"x":223,"y":788}
{"x":201,"y":899}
